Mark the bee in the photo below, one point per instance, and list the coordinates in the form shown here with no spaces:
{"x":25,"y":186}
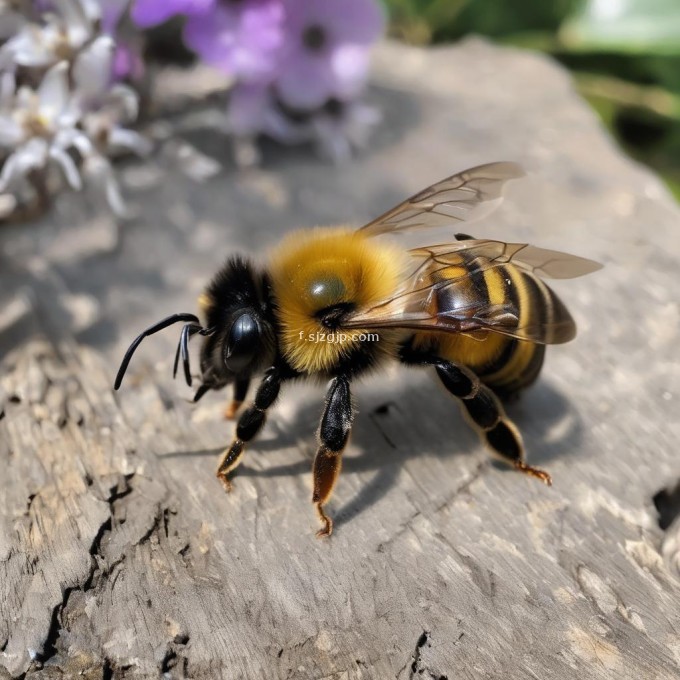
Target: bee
{"x":334,"y":304}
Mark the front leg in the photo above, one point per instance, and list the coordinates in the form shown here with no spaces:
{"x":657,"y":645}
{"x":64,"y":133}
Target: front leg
{"x":334,"y":430}
{"x":250,"y":423}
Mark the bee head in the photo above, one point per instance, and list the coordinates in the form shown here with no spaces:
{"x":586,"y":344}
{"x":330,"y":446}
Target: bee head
{"x":243,"y":342}
{"x":236,"y":304}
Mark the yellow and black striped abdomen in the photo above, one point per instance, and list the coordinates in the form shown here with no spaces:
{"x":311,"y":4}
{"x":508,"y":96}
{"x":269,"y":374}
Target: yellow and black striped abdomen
{"x":504,"y":363}
{"x":518,"y":364}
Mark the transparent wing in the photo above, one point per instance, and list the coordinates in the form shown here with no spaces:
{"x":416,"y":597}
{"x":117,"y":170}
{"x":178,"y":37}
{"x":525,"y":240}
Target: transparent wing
{"x":464,"y":197}
{"x":551,"y":264}
{"x":437,"y":294}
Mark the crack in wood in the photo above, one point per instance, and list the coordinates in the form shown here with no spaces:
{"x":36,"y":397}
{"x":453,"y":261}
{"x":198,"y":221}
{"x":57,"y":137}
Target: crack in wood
{"x":56,"y":623}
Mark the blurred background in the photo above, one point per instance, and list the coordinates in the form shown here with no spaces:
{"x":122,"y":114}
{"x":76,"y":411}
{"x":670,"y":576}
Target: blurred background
{"x":624,"y":55}
{"x":79,"y":76}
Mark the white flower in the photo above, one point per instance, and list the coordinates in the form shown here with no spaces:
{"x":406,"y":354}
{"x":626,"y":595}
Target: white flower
{"x":75,"y":117}
{"x":36,"y":127}
{"x":60,"y":38}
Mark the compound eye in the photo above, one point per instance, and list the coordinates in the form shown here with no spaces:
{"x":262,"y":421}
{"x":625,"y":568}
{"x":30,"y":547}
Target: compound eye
{"x":326,"y":290}
{"x":243,"y":343}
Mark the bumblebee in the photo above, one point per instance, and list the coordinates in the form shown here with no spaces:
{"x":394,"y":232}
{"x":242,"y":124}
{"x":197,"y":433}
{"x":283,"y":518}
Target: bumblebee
{"x":334,"y":304}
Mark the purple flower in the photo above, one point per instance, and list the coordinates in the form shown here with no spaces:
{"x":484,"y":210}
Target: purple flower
{"x":127,"y":63}
{"x":242,"y":38}
{"x":327,"y":49}
{"x":253,"y":110}
{"x":337,"y":129}
{"x":147,"y":13}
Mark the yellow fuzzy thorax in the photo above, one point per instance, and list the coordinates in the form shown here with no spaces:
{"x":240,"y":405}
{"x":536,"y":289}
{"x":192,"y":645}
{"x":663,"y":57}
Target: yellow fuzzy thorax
{"x":318,"y":268}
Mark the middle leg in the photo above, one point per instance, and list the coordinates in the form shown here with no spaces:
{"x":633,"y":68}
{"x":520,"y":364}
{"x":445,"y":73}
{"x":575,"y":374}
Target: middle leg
{"x":240,"y":391}
{"x":334,"y":431}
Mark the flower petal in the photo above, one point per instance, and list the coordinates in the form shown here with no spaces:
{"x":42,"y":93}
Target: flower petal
{"x":53,"y":93}
{"x":100,"y":171}
{"x":11,"y":133}
{"x":92,"y":9}
{"x":127,"y":62}
{"x":30,"y":156}
{"x":306,"y":83}
{"x":147,"y":13}
{"x":343,"y":21}
{"x":349,"y":64}
{"x":126,"y":98}
{"x":68,"y":166}
{"x":78,"y":16}
{"x":31,"y":47}
{"x":247,"y":106}
{"x":8,"y":87}
{"x":93,"y":66}
{"x":72,"y":137}
{"x":10,"y":170}
{"x":242,"y":39}
{"x":129,"y":140}
{"x":331,"y":141}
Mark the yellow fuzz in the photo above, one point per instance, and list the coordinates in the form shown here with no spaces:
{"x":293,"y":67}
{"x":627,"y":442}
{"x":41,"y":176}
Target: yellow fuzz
{"x":205,"y":303}
{"x":318,"y":268}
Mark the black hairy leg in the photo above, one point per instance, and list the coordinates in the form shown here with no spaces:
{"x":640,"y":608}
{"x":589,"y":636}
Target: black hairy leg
{"x":250,"y":423}
{"x":484,"y":409}
{"x":488,"y":416}
{"x":333,"y":434}
{"x":240,"y":391}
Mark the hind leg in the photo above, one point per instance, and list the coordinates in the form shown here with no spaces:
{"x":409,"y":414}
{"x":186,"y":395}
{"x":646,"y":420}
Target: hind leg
{"x":488,"y":416}
{"x":485,"y":411}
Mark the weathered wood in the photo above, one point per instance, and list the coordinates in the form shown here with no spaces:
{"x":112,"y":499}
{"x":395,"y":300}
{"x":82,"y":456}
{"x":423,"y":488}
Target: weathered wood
{"x":120,"y":556}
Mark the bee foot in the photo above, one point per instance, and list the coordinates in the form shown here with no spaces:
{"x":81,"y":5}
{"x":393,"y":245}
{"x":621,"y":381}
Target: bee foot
{"x":224,"y":481}
{"x":534,"y":472}
{"x":327,"y":522}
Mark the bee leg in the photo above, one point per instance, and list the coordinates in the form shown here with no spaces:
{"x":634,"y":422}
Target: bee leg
{"x":250,"y":423}
{"x":333,"y":434}
{"x":240,"y":391}
{"x":488,"y":416}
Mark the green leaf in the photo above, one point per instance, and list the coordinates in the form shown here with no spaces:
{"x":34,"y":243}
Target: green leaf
{"x":629,"y":26}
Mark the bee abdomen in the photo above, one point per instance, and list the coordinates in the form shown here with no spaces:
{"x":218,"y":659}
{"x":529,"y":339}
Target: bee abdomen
{"x":521,"y":369}
{"x":519,"y":364}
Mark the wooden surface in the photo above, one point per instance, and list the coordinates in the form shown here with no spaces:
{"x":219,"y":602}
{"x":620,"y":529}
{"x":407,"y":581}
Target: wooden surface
{"x":121,"y":557}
